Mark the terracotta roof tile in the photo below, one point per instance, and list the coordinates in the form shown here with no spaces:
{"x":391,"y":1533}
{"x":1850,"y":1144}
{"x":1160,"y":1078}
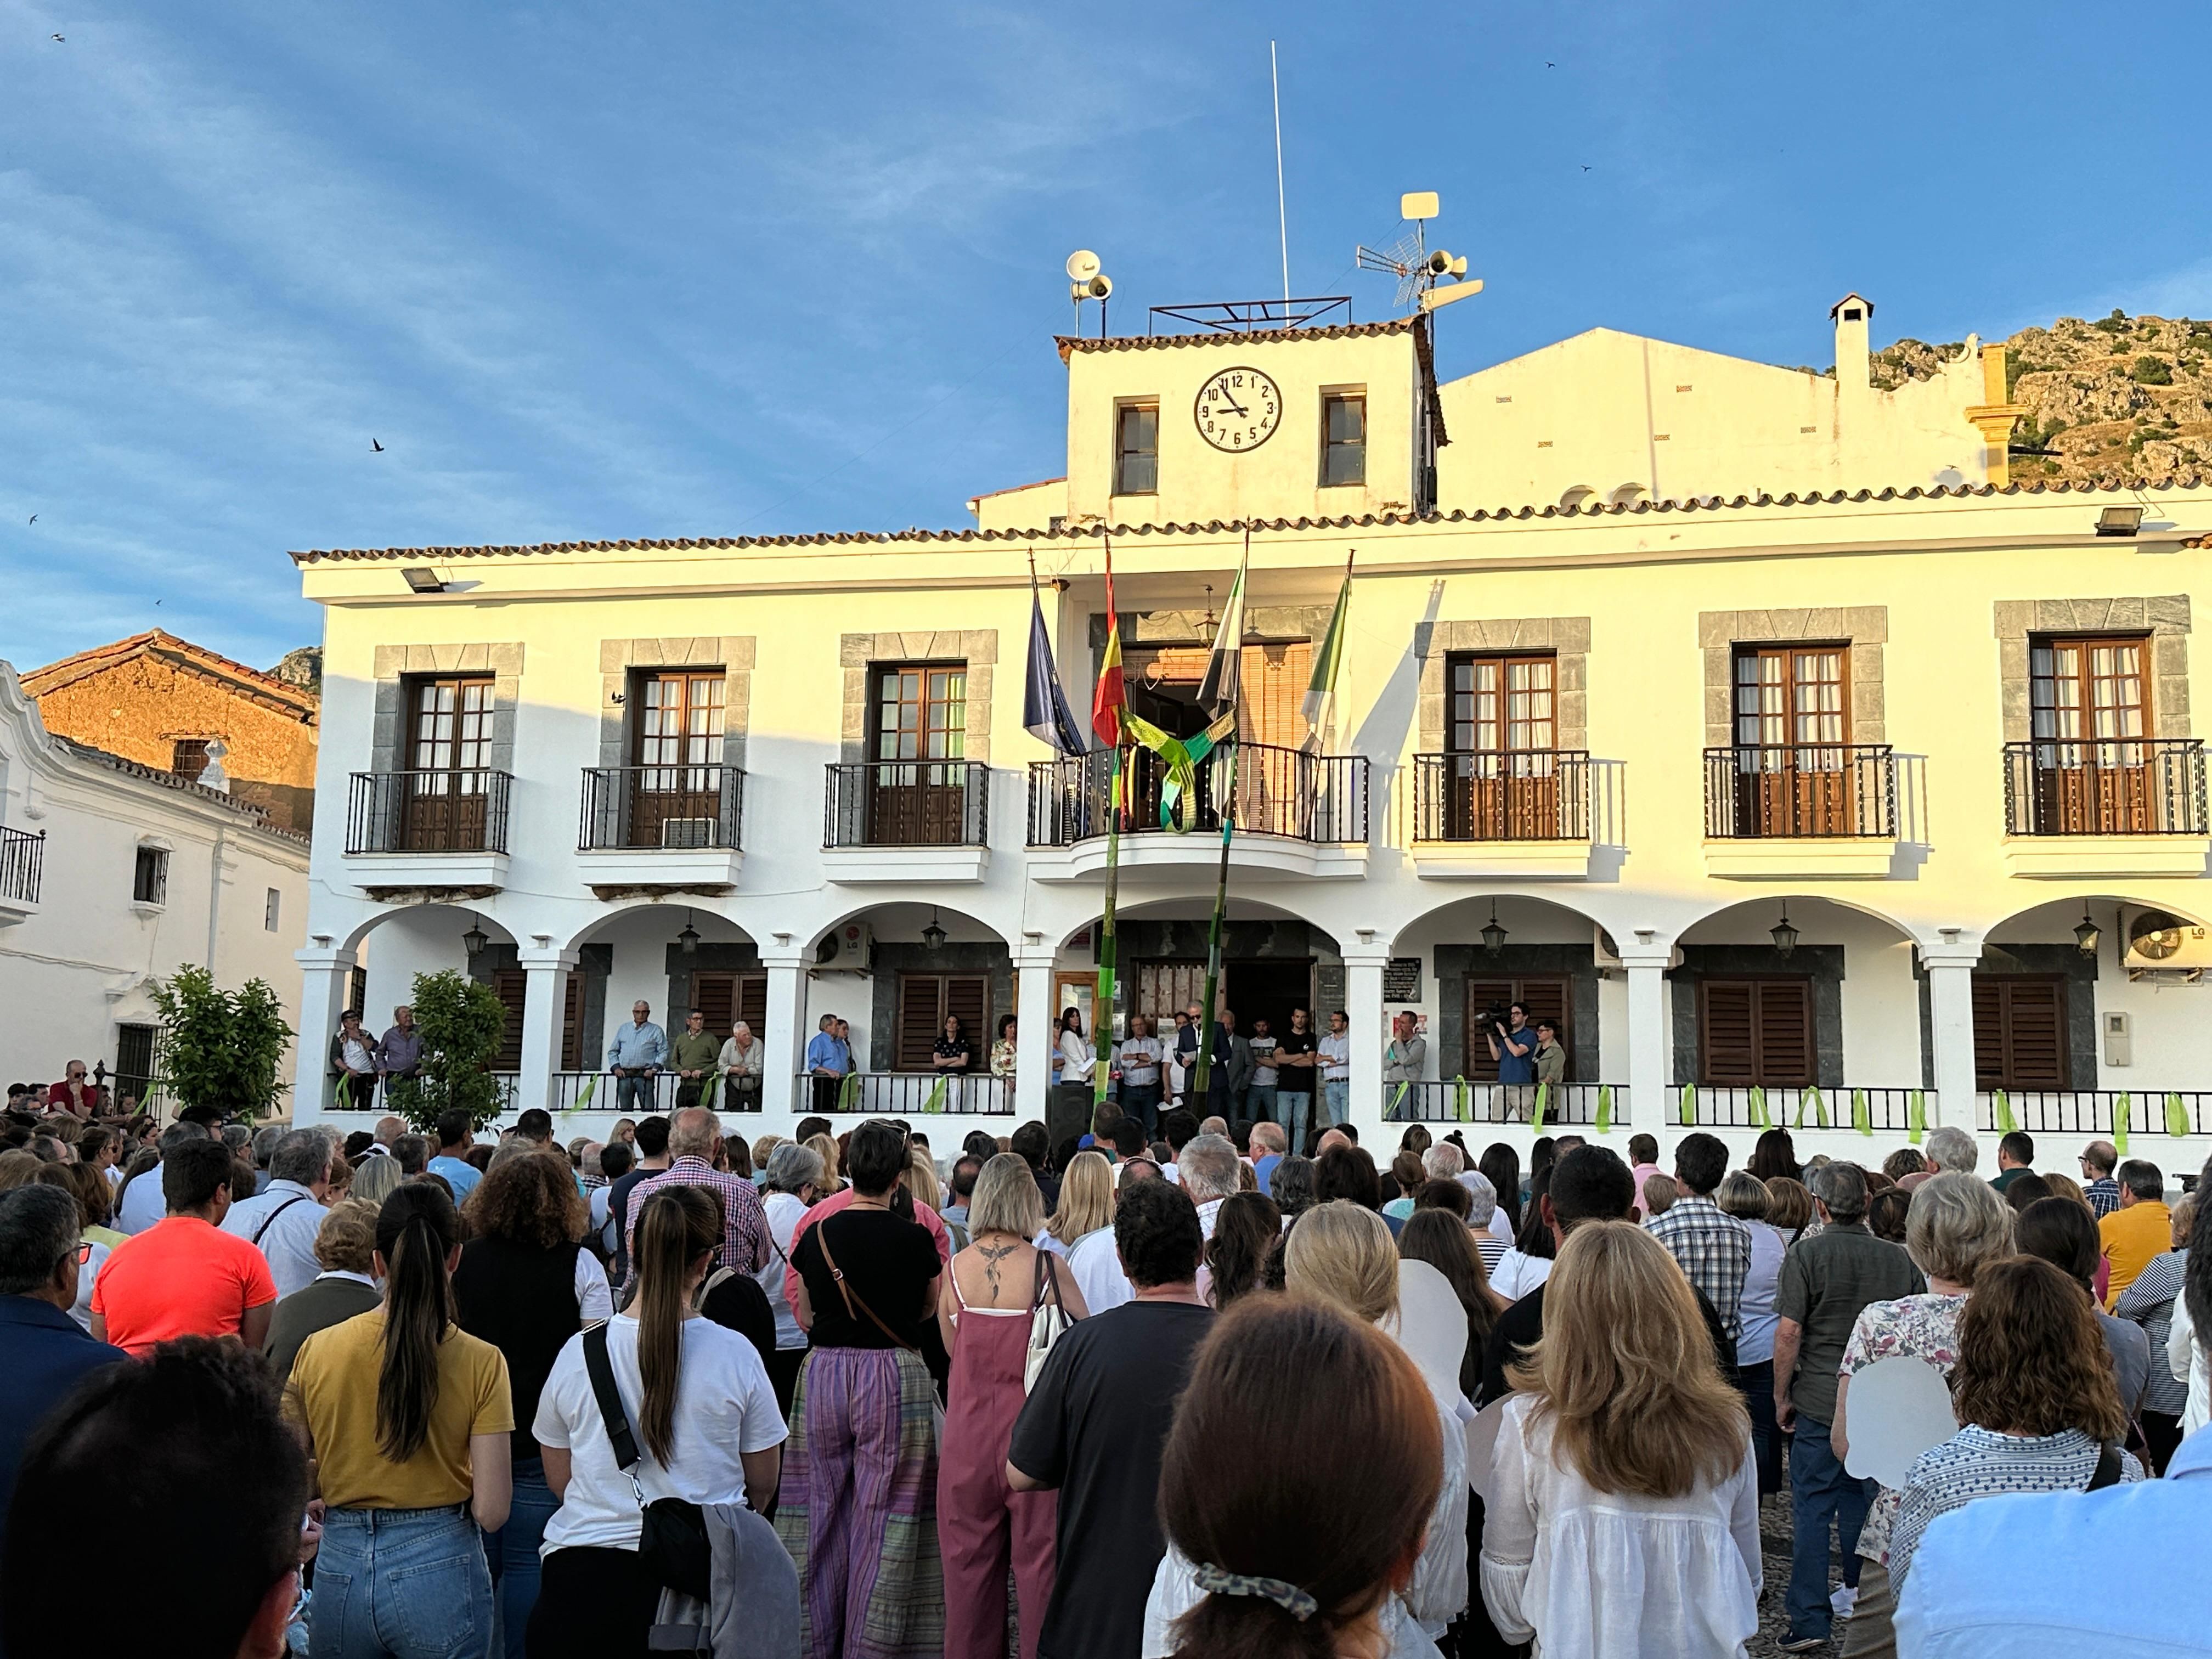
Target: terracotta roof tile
{"x":1071,"y":343}
{"x":258,"y":819}
{"x":37,"y":681}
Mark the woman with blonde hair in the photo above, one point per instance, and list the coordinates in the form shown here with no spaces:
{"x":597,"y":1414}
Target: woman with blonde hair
{"x":984,"y":1529}
{"x":921,"y":1178}
{"x":1623,"y":1513}
{"x":375,"y":1179}
{"x":1086,"y":1204}
{"x":824,"y":1146}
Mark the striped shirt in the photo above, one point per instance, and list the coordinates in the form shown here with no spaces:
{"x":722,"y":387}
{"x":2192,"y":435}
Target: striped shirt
{"x":1978,"y":1462}
{"x":2150,"y":1303}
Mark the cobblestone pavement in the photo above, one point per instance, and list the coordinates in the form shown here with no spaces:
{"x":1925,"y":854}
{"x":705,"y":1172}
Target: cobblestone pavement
{"x":1774,"y":1533}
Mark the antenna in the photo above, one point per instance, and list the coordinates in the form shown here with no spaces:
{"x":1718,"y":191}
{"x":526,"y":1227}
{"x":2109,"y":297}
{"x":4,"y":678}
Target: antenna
{"x":1085,"y":282}
{"x":1410,"y":260}
{"x":1282,"y":216}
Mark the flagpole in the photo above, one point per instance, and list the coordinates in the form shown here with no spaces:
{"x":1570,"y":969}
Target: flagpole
{"x":1226,"y":805}
{"x":1102,"y":1009}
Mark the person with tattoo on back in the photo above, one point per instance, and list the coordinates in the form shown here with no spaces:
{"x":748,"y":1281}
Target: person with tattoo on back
{"x":984,"y":1527}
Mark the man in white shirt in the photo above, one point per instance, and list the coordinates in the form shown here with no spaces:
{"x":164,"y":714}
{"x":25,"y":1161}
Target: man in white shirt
{"x":1208,"y":1168}
{"x":282,"y":1223}
{"x":1335,"y":1051}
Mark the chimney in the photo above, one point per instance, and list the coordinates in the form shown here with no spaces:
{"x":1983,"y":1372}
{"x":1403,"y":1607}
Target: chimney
{"x":1856,"y":425}
{"x":1850,"y":315}
{"x":212,"y":776}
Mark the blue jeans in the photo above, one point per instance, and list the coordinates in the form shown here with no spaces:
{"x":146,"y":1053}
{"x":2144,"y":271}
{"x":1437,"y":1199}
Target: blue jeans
{"x":1294,"y":1108}
{"x":1141,"y":1101}
{"x":400,"y":1584}
{"x":1335,"y":1100}
{"x":1260,"y":1102}
{"x":514,"y":1553}
{"x":635,"y":1092}
{"x":1820,"y":1492}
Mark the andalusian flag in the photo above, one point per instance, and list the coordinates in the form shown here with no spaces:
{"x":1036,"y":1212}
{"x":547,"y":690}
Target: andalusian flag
{"x":1321,"y":690}
{"x":1223,"y":684}
{"x":1111,"y":700}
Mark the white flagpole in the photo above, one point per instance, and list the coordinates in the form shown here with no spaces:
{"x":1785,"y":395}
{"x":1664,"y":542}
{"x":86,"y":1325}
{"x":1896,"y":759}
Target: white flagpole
{"x":1282,"y":216}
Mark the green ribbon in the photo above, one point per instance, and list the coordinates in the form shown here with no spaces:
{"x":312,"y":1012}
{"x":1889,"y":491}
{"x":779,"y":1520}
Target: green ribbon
{"x":848,"y":1093}
{"x":1915,"y":1117}
{"x":1689,"y":1110}
{"x":2122,"y":1109}
{"x":2001,"y":1106}
{"x":1759,"y":1120}
{"x":1397,"y":1100}
{"x":2177,"y":1116}
{"x":1604,"y":1124}
{"x":713,"y":1088}
{"x":1462,"y":1106}
{"x":936,"y":1101}
{"x":1536,"y":1123}
{"x":1861,"y":1117}
{"x":591,"y":1087}
{"x":1180,"y":760}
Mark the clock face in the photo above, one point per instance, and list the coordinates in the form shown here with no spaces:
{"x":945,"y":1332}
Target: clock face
{"x":1237,"y":409}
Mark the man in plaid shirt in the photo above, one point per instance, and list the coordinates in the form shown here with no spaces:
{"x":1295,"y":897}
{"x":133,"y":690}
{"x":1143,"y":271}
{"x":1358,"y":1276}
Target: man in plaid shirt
{"x":695,"y":1144}
{"x":2099,"y":1159}
{"x":1713,"y":1246}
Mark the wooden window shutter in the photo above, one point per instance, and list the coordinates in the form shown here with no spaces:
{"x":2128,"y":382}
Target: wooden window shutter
{"x":511,"y":987}
{"x":1547,"y":996}
{"x":968,"y":997}
{"x":2020,"y":1031}
{"x":572,"y":1023}
{"x":921,"y":1012}
{"x":1785,"y":1031}
{"x":1726,"y":1025}
{"x":1273,"y":709}
{"x":1756,"y":1032}
{"x":752,"y":1003}
{"x":714,"y":995}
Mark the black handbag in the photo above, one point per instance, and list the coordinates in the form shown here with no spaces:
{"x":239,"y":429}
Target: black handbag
{"x":672,"y":1544}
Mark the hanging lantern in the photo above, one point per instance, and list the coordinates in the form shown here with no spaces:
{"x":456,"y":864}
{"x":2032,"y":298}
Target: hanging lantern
{"x":1783,"y":935}
{"x":688,"y":940}
{"x":476,"y":939}
{"x":933,"y":937}
{"x":1494,"y":936}
{"x":2087,"y":936}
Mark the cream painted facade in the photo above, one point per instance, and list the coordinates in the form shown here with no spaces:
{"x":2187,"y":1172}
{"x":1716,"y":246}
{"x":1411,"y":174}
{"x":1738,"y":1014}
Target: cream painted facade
{"x":1912,"y":892}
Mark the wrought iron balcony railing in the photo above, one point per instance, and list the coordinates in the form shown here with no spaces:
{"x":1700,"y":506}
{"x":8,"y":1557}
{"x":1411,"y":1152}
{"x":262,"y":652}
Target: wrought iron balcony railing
{"x":906,"y":803}
{"x":1800,"y":791}
{"x":2105,"y":787}
{"x":1279,"y":791}
{"x":428,"y":811}
{"x":661,"y":806}
{"x":1530,"y":795}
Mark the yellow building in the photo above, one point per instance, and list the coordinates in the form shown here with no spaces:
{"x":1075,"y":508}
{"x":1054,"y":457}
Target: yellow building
{"x":1803,"y":770}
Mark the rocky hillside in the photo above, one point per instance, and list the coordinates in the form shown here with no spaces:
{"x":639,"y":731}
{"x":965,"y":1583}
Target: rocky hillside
{"x":2121,"y":398}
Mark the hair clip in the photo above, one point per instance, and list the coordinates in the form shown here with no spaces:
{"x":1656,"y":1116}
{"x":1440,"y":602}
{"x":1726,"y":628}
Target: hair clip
{"x":1287,"y":1596}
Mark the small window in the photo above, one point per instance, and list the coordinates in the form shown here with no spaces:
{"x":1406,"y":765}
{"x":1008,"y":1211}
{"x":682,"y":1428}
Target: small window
{"x":149,"y":879}
{"x":272,"y":910}
{"x":189,"y":758}
{"x":1344,"y":427}
{"x":1136,"y":450}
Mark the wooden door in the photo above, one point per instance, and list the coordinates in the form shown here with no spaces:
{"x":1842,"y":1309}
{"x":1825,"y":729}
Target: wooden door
{"x":1793,"y":772}
{"x":1501,"y":742}
{"x":511,"y":987}
{"x":676,"y":789}
{"x":451,"y":753}
{"x":921,"y":714}
{"x":1164,"y":988}
{"x":1547,"y":996}
{"x":926,"y":1001}
{"x":1756,"y":1032}
{"x":2020,"y":1031}
{"x":2093,"y":774}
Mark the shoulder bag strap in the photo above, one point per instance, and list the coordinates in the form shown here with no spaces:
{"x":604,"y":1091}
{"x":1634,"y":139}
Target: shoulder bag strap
{"x":2108,"y":1467}
{"x":270,"y":1220}
{"x":601,"y":1370}
{"x":852,"y":1298}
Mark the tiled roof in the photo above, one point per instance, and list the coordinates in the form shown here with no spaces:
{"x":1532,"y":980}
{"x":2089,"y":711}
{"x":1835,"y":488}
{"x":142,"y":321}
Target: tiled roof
{"x":1070,"y":344}
{"x":181,"y":654}
{"x":1215,"y":526}
{"x":132,"y":769}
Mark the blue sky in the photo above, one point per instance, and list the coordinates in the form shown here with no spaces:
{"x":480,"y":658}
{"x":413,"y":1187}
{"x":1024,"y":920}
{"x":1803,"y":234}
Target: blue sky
{"x":669,"y":269}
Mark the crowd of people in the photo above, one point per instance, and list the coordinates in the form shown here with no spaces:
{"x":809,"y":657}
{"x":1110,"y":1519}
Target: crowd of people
{"x":1171,"y":1386}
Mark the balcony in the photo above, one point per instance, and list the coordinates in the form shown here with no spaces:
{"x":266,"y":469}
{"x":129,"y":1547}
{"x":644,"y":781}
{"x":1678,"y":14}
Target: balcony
{"x":907,"y":820}
{"x":660,"y":829}
{"x":1297,"y":814}
{"x":1523,"y":816}
{"x":1826,"y":811}
{"x":22,"y":858}
{"x":413,"y":830}
{"x":1886,"y":1110}
{"x":906,"y":1094}
{"x":2096,"y":1111}
{"x":2118,"y":806}
{"x":1453,"y":1100}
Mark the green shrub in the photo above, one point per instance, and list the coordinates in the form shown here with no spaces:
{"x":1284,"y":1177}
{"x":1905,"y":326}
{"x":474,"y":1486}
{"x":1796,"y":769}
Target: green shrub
{"x":221,"y":1049}
{"x":461,"y":1021}
{"x":2153,"y":371}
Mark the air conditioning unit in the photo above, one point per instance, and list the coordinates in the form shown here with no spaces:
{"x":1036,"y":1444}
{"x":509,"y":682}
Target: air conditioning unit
{"x":687,"y":832}
{"x":1606,"y":953}
{"x":855,"y":948}
{"x":2160,"y":941}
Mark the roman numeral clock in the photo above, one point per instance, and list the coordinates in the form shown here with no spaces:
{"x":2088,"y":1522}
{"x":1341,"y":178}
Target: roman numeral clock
{"x":1238,"y":408}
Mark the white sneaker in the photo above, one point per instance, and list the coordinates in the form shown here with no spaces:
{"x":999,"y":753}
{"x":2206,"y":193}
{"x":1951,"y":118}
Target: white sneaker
{"x":1842,"y":1599}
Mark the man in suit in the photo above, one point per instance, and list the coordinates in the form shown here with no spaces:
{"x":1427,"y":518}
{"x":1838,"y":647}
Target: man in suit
{"x":1232,"y":1069}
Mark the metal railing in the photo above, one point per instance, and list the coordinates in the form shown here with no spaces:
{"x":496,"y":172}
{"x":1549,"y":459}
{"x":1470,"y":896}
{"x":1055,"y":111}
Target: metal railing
{"x":1789,"y":1107}
{"x":664,"y":807}
{"x":428,"y":811}
{"x":23,"y":862}
{"x":2105,"y":787}
{"x":906,"y":803}
{"x":1499,"y":795}
{"x":2096,"y":1111}
{"x":1279,"y":792}
{"x":1457,"y":1100}
{"x":602,"y":1091}
{"x":1799,"y":791}
{"x":905,"y":1094}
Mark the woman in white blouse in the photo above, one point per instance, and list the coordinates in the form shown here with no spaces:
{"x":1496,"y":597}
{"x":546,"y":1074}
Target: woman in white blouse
{"x":1073,"y":1063}
{"x":1623,"y":1516}
{"x":2189,"y":1342}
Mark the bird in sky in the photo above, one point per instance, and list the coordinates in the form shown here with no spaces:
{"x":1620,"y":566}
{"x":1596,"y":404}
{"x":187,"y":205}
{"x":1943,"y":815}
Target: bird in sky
{"x":1551,"y":66}
{"x":57,"y":37}
{"x":34,"y":517}
{"x":1585,"y":169}
{"x":375,"y":445}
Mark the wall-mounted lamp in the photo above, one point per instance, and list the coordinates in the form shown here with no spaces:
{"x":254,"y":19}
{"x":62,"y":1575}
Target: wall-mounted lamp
{"x":2120,"y":521}
{"x":1783,"y":935}
{"x":2087,"y":935}
{"x":476,"y":940}
{"x":1494,"y":936}
{"x":423,"y":579}
{"x":688,"y":940}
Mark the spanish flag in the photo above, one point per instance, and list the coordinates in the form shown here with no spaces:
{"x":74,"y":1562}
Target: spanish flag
{"x":1111,"y":700}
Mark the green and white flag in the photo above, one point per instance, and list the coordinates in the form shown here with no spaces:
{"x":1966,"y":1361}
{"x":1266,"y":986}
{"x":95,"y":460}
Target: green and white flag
{"x":1320,"y":689}
{"x":1223,"y":688}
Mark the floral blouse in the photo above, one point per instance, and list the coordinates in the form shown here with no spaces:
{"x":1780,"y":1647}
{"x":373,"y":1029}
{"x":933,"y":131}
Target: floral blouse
{"x":1002,"y":1059}
{"x":1911,"y":1327}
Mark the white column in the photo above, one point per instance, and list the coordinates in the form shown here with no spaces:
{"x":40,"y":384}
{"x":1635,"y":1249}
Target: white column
{"x":544,"y":997}
{"x":326,"y":974}
{"x":786,"y":1037}
{"x":1371,"y":1031}
{"x":1950,"y":970}
{"x":1649,"y":1039}
{"x":1033,"y":1032}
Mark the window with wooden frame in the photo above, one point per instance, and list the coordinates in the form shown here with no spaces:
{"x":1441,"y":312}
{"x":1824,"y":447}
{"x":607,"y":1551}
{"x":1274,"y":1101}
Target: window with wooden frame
{"x":2090,"y":714}
{"x":2020,"y":1031}
{"x":1757,"y":1031}
{"x":1500,"y":740}
{"x":918,"y":714}
{"x":1794,"y":774}
{"x":926,"y":1001}
{"x":1547,"y":996}
{"x":1343,"y":438}
{"x":676,"y":788}
{"x":1137,"y":449}
{"x":449,"y":754}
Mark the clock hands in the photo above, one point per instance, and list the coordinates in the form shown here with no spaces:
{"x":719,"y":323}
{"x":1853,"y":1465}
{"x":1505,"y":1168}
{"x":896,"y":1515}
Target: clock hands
{"x":1222,"y":393}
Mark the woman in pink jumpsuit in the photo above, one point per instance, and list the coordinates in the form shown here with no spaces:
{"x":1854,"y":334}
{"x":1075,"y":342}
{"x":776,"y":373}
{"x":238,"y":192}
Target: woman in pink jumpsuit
{"x":984,"y":1311}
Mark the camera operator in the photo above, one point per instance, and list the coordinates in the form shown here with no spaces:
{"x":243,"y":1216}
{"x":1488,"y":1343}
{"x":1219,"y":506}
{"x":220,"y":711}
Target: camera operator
{"x":1513,"y":1045}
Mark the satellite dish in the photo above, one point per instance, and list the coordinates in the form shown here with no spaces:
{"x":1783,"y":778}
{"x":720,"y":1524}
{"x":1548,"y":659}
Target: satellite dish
{"x":1082,"y":265}
{"x":1418,"y":204}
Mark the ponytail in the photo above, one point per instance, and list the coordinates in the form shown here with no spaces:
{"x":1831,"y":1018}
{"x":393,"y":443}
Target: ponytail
{"x":415,"y":1230}
{"x":678,"y":1226}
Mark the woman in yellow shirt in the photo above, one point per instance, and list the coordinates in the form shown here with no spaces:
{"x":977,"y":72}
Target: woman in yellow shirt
{"x":407,"y":1418}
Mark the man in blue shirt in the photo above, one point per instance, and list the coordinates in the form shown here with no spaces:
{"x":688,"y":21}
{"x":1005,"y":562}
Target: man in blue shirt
{"x":456,"y":1134}
{"x":1514,"y":1048}
{"x":828,"y":1058}
{"x":42,"y":1351}
{"x":2002,"y":1579}
{"x":635,"y":1056}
